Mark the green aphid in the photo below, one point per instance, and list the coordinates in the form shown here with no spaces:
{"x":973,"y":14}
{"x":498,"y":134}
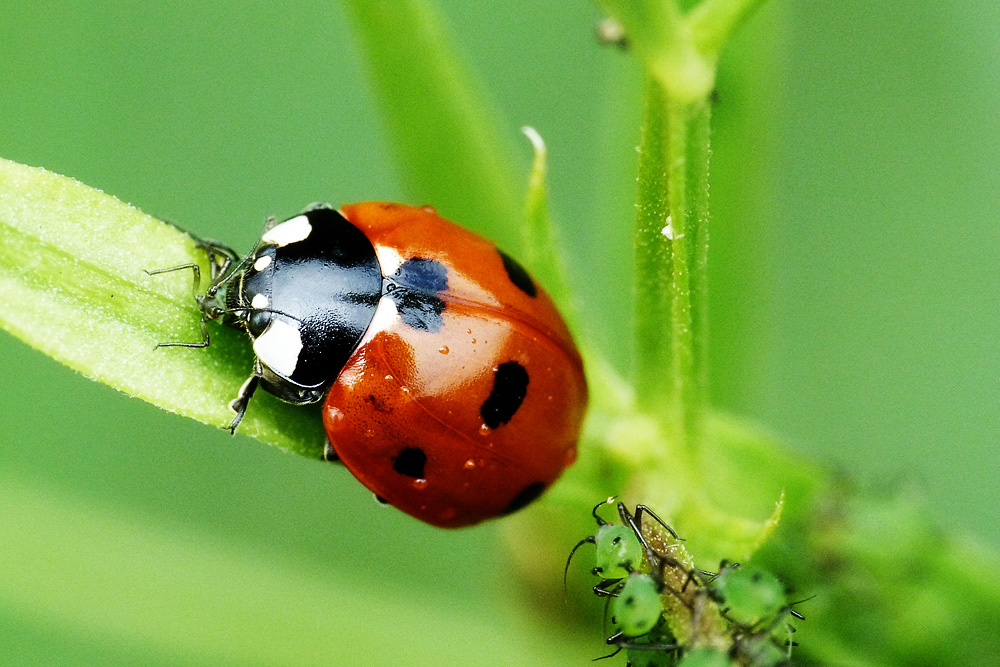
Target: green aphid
{"x":749,"y":594}
{"x":618,"y":552}
{"x":637,"y":606}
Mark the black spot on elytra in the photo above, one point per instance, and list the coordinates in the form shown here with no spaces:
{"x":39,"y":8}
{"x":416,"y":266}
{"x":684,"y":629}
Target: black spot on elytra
{"x":414,"y":288}
{"x":518,"y":275}
{"x":423,"y":274}
{"x":418,"y":310}
{"x":410,"y":462}
{"x":510,"y":385}
{"x":525,"y":497}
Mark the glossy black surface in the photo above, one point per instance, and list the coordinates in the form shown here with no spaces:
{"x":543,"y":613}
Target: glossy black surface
{"x":327,"y":286}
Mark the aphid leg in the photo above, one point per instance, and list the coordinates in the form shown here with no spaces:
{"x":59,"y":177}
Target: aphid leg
{"x":609,"y":655}
{"x":639,"y":509}
{"x":607,"y":588}
{"x":586,"y":540}
{"x":630,"y":521}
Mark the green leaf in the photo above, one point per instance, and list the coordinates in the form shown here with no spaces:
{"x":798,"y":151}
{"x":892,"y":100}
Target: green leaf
{"x":452,"y":149}
{"x":72,"y":272}
{"x":539,"y":250}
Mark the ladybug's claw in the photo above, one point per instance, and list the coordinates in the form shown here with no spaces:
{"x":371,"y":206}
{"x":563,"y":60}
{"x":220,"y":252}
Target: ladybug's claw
{"x":242,"y":400}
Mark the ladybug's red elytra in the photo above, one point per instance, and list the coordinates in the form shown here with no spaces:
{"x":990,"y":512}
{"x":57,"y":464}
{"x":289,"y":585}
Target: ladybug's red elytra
{"x":452,"y":387}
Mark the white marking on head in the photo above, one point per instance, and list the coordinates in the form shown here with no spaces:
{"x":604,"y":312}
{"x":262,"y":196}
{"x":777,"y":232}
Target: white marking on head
{"x":279,"y":346}
{"x":260,"y":302}
{"x":262,"y":262}
{"x":385,"y":316}
{"x":389,"y":259}
{"x":290,"y":231}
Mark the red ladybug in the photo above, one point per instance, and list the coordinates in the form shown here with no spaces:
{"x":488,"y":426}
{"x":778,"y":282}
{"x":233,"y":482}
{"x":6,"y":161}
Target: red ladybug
{"x":453,"y":388}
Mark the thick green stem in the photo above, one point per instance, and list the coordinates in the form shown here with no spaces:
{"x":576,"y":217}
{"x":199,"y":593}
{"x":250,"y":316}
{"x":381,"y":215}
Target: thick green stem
{"x":653,"y":257}
{"x":699,"y":153}
{"x":671,"y":264}
{"x":682,"y":412}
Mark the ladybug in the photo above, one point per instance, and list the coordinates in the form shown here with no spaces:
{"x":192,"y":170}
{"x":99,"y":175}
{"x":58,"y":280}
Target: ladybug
{"x":452,"y":387}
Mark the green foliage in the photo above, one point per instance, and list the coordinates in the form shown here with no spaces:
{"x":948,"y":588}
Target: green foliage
{"x":72,"y":264}
{"x":446,"y":135}
{"x":705,"y":657}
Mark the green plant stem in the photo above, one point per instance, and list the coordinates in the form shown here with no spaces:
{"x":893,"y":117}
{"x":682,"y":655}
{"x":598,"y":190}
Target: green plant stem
{"x":671,"y":266}
{"x":713,"y":22}
{"x":653,"y":256}
{"x":663,"y":38}
{"x":699,"y":153}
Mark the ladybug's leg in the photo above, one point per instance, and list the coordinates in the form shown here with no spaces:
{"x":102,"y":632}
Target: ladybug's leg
{"x":195,"y":270}
{"x":195,"y":288}
{"x":221,"y":258}
{"x":329,"y":453}
{"x":242,"y":400}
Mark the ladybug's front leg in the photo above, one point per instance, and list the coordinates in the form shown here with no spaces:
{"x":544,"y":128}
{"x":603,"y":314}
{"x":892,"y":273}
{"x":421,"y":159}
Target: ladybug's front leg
{"x":242,"y":400}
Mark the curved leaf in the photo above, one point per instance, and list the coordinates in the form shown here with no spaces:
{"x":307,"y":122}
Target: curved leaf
{"x":452,"y":149}
{"x":72,"y":272}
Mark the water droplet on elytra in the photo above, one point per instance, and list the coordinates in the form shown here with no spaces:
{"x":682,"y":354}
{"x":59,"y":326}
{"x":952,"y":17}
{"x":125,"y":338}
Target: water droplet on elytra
{"x":484,"y":429}
{"x":443,"y":349}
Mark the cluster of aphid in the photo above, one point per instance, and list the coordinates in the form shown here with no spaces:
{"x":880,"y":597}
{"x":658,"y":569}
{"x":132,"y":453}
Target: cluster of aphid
{"x":668,"y":612}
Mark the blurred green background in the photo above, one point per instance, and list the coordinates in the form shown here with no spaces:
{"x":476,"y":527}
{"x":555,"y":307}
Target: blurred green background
{"x":855,"y":312}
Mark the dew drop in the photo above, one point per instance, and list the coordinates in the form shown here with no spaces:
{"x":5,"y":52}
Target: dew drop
{"x":473,"y":341}
{"x":444,"y":349}
{"x":484,"y":429}
{"x":470,"y":464}
{"x":419,"y":484}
